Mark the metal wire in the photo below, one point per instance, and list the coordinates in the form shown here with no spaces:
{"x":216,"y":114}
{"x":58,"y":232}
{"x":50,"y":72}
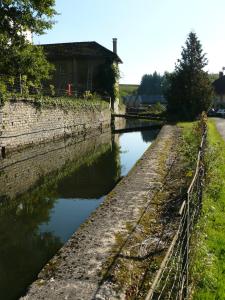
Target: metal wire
{"x":171,"y":280}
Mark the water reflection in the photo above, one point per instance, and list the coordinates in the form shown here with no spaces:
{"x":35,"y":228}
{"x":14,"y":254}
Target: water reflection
{"x":132,"y":146}
{"x":70,"y":183}
{"x":148,"y":135}
{"x":81,"y":192}
{"x":23,"y":249}
{"x":75,"y":210}
{"x":100,"y":175}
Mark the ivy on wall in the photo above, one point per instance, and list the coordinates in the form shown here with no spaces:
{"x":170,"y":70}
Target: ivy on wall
{"x":108,"y":79}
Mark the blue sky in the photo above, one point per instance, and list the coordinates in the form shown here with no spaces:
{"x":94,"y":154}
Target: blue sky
{"x":150,"y":32}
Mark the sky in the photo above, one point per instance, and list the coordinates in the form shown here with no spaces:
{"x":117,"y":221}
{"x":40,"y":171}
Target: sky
{"x":150,"y":32}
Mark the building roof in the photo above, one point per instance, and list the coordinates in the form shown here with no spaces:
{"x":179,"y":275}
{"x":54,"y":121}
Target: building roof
{"x":219,"y":85}
{"x":143,"y":99}
{"x":79,"y":49}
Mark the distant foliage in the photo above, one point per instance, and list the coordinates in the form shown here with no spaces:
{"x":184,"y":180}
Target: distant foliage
{"x":213,"y":77}
{"x":189,"y":90}
{"x":128,"y":89}
{"x":151,"y":84}
{"x":156,"y":109}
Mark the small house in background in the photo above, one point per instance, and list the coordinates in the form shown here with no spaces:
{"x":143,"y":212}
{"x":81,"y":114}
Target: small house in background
{"x":141,"y":102}
{"x":80,"y":65}
{"x":219,"y":88}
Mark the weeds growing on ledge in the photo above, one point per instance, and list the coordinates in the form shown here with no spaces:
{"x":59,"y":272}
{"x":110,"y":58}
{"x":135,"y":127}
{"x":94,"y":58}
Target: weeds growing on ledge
{"x":66,"y":103}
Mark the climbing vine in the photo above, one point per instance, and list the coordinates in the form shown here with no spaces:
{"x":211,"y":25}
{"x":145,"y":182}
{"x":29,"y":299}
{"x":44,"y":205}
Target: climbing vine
{"x":108,"y":78}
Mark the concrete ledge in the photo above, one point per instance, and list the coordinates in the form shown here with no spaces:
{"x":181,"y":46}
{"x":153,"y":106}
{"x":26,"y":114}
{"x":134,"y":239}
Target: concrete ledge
{"x":78,"y":269}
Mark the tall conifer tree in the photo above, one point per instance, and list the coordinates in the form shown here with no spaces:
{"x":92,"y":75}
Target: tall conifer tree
{"x":189,"y":91}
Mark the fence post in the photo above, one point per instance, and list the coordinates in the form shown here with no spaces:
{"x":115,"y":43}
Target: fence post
{"x":186,"y":289}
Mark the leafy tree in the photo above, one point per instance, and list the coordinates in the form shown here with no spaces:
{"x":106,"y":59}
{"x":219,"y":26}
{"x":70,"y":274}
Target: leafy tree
{"x":151,"y":84}
{"x":17,"y":55}
{"x":189,"y":89}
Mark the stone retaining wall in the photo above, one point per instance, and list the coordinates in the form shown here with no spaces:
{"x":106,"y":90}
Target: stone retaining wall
{"x":23,"y":124}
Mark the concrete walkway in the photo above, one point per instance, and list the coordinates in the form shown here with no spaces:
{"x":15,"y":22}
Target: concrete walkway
{"x":78,"y":270}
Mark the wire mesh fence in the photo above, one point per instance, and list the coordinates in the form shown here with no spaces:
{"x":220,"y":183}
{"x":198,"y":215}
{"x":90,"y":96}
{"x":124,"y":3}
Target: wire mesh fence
{"x":172,"y":278}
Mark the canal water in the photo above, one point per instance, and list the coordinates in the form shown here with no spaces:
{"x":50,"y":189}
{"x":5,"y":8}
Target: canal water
{"x":45,"y":196}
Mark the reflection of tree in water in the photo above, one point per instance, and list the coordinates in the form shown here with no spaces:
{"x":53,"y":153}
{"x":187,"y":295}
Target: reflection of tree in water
{"x":92,"y":181}
{"x":23,"y":249}
{"x":148,"y":135}
{"x":136,"y":123}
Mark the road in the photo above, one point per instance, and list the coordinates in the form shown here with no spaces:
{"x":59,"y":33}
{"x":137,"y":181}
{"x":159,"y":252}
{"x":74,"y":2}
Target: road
{"x":220,"y":125}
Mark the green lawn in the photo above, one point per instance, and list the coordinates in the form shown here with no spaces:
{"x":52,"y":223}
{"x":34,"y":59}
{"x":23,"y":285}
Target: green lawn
{"x":208,"y":241}
{"x":128,"y":89}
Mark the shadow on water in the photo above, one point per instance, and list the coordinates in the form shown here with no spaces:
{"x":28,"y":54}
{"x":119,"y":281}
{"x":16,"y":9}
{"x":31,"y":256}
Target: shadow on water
{"x":101,"y":176}
{"x":148,"y":135}
{"x":46,"y":196}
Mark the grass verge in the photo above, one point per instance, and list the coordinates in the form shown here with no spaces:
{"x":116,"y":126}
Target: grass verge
{"x":208,"y":241}
{"x":128,"y":89}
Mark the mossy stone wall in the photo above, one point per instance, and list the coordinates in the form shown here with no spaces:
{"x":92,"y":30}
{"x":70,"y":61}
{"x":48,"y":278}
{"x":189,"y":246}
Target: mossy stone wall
{"x":22,"y":123}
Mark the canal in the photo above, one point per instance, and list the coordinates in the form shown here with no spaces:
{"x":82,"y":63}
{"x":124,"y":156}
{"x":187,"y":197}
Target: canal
{"x":46,"y":193}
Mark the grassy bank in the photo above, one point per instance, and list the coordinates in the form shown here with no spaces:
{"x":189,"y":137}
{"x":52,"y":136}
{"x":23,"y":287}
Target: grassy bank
{"x":208,"y":241}
{"x":191,"y":139}
{"x":128,"y":89}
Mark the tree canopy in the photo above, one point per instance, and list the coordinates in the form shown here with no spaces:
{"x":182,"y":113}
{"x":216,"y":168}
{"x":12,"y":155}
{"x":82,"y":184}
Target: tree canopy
{"x":17,"y":55}
{"x":189,"y":89}
{"x":151,"y":84}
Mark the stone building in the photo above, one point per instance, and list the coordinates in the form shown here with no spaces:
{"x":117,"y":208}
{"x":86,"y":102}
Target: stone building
{"x":219,"y":88}
{"x":143,"y":100}
{"x":79,"y":64}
